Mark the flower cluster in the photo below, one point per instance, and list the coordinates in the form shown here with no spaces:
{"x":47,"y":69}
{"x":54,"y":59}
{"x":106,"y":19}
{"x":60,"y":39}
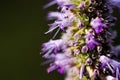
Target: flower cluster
{"x":85,"y":50}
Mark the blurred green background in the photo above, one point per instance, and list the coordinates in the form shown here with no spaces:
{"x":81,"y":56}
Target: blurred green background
{"x":22,"y":27}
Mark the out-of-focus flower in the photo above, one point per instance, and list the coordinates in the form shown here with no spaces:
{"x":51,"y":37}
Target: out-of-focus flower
{"x":116,"y":51}
{"x":53,"y":46}
{"x":115,"y":3}
{"x":61,"y":63}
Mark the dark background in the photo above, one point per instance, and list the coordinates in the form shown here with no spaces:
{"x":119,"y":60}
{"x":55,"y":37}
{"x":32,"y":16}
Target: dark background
{"x":22,"y":27}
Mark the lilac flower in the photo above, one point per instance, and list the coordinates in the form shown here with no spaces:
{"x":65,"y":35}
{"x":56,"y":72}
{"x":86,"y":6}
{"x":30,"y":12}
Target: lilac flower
{"x":61,"y":62}
{"x":52,"y":67}
{"x":89,"y":36}
{"x":91,"y":44}
{"x":105,"y":60}
{"x":109,"y":62}
{"x":90,"y":41}
{"x":52,"y":46}
{"x":97,"y":25}
{"x":63,"y":20}
{"x":59,"y":23}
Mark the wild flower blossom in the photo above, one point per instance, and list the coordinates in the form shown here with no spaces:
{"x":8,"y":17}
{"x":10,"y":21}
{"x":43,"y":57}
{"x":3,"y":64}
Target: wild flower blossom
{"x":85,"y":50}
{"x":97,"y":25}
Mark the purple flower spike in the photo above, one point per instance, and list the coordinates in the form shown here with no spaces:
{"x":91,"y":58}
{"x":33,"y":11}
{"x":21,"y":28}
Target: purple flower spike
{"x":85,"y":49}
{"x":97,"y":25}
